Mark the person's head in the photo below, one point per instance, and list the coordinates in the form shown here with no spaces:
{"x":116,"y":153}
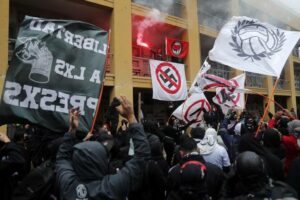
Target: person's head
{"x":250,"y":124}
{"x":292,"y":127}
{"x":105,"y":127}
{"x":250,"y":170}
{"x":271,"y":138}
{"x":150,"y":126}
{"x":282,"y":125}
{"x":278,"y":115}
{"x":187,"y":145}
{"x":155,"y":145}
{"x":192,"y":180}
{"x":90,"y":160}
{"x":248,"y":142}
{"x":198,"y":133}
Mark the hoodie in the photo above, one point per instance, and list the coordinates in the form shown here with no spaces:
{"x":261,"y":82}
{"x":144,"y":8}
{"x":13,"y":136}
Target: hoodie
{"x":82,"y":169}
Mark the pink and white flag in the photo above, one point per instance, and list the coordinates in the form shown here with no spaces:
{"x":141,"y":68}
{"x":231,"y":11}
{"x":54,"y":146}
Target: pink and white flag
{"x":204,"y":81}
{"x":233,"y":96}
{"x":193,"y":109}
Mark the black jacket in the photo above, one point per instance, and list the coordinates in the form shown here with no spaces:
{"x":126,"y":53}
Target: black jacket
{"x":82,"y":175}
{"x":12,"y":162}
{"x":213,"y":179}
{"x":293,"y":177}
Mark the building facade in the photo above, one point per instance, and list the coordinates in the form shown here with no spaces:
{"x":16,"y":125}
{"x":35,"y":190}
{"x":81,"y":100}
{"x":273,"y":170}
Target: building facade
{"x":127,"y":66}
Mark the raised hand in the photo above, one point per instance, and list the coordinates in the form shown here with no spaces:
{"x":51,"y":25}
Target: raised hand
{"x":126,"y":109}
{"x":73,"y":119}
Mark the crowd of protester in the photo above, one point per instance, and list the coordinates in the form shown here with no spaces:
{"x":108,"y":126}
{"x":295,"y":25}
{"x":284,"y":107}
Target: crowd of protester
{"x":222,"y":158}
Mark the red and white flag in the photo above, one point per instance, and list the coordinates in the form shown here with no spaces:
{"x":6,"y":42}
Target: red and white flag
{"x":233,"y":96}
{"x":168,"y":81}
{"x":204,"y":81}
{"x":193,"y":109}
{"x":176,"y":48}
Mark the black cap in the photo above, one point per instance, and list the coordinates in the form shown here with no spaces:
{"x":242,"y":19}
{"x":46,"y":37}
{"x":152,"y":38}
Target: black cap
{"x":187,"y":143}
{"x":198,"y":133}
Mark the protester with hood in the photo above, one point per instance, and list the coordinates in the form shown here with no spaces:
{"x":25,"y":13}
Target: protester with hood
{"x":271,"y":141}
{"x":274,"y":166}
{"x":291,"y":143}
{"x":156,"y":170}
{"x":192,"y":177}
{"x":282,"y":125}
{"x":12,"y":162}
{"x":249,"y":180}
{"x":212,"y":152}
{"x":82,"y":169}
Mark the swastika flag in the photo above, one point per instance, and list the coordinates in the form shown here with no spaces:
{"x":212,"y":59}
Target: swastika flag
{"x":193,"y":109}
{"x":250,"y":45}
{"x":231,"y":97}
{"x":168,"y":81}
{"x":204,"y":81}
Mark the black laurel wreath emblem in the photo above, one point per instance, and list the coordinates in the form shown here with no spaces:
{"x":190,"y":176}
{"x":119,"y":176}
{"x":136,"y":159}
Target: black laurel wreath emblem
{"x":280,"y":37}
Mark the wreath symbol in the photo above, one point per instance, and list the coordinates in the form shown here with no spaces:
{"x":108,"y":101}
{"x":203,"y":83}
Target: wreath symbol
{"x":280,"y":36}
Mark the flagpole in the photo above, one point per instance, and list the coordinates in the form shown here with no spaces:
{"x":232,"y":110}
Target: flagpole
{"x":266,"y":108}
{"x":102,"y":86}
{"x":139,"y":106}
{"x":272,"y":100}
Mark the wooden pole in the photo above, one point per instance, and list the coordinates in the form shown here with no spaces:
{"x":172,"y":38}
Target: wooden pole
{"x":266,"y":108}
{"x":102,"y":85}
{"x":272,"y":100}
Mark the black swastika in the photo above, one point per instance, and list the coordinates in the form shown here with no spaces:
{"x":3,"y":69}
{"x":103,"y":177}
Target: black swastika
{"x":165,"y":80}
{"x":226,"y":97}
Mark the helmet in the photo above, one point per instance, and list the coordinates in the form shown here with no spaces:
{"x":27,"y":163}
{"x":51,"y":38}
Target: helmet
{"x":250,"y":167}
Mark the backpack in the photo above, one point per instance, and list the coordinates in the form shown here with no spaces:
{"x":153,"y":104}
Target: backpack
{"x":38,"y":184}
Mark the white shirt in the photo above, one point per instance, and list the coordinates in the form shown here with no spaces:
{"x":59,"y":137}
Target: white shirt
{"x":218,"y":156}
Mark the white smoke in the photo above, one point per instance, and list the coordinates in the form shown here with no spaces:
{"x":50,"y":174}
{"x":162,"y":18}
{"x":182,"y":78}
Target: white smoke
{"x":154,"y":17}
{"x":157,"y":15}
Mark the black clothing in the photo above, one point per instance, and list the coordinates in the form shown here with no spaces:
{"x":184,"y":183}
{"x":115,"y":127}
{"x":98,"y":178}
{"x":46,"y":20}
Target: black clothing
{"x":293,"y":177}
{"x":155,"y":174}
{"x":274,"y":166}
{"x":213,"y":177}
{"x":233,"y":188}
{"x":12,"y":163}
{"x":83,"y":174}
{"x":271,"y":141}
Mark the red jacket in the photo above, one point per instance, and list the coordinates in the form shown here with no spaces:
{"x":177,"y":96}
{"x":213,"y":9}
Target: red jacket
{"x":292,"y":150}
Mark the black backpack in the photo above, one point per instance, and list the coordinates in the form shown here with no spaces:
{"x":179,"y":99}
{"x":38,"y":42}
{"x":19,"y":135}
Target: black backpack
{"x":38,"y":184}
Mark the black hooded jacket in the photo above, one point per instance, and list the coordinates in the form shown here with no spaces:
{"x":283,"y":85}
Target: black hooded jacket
{"x":213,"y":178}
{"x":82,"y":169}
{"x":12,"y":162}
{"x":274,"y":166}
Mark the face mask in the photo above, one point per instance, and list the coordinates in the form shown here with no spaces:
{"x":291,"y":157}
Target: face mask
{"x":298,"y":142}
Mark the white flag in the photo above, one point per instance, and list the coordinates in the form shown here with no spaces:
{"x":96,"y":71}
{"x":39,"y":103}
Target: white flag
{"x":250,"y":45}
{"x":168,"y":81}
{"x":204,"y":81}
{"x":231,"y":97}
{"x":193,"y":108}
